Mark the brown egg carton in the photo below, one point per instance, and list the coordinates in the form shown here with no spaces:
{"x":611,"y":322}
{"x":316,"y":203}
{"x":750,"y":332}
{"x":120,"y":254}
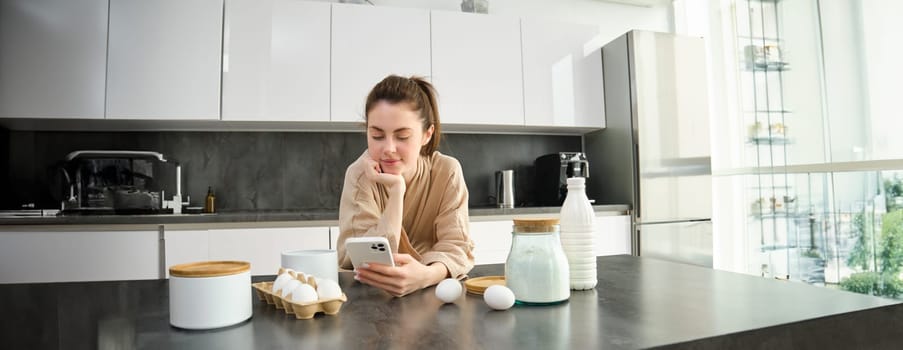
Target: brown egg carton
{"x":302,"y":311}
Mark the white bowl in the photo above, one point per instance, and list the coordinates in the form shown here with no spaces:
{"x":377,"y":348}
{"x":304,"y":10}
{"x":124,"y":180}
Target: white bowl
{"x":320,"y":263}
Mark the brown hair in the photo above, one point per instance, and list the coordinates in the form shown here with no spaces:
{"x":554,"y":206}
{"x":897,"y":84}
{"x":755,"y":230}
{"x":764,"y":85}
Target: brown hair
{"x":415,"y":91}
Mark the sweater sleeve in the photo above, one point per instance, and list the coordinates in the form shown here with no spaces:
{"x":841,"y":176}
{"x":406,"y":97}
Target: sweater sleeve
{"x":359,"y":214}
{"x":453,"y":246}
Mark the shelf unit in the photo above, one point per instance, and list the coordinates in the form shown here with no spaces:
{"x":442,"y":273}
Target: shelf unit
{"x":780,"y":228}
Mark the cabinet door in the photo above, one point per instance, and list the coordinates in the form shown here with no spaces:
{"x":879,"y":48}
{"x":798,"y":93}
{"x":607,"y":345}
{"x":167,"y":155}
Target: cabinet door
{"x":276,"y":60}
{"x":369,"y":43}
{"x":54,"y":58}
{"x":612,"y":235}
{"x":477,"y":68}
{"x":66,"y":256}
{"x":562,"y":75}
{"x":164,"y":59}
{"x":492,"y":241}
{"x":263,"y":247}
{"x":186,"y":246}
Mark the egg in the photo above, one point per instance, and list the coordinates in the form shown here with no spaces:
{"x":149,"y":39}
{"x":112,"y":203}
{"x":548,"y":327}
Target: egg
{"x":299,"y":275}
{"x":311,"y":279}
{"x":449,"y":290}
{"x":328,"y":289}
{"x":304,"y":293}
{"x":289,"y":287}
{"x":498,"y":297}
{"x":280,"y":281}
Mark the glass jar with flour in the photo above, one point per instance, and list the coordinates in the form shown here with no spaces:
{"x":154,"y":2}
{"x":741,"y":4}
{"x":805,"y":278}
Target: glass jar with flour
{"x":537,"y":269}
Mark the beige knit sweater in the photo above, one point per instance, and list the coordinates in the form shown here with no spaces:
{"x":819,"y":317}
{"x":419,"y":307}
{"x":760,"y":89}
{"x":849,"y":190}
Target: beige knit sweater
{"x":434,"y":217}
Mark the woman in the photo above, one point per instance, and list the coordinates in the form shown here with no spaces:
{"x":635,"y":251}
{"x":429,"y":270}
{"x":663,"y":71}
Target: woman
{"x":403,"y":189}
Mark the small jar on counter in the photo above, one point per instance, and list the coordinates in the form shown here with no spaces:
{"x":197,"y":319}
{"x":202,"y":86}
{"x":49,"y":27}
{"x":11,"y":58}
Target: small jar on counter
{"x":537,"y":269}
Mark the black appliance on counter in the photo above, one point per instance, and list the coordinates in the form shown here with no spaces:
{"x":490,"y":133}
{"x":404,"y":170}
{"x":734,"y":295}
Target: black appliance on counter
{"x":552,"y":172}
{"x":117,"y":182}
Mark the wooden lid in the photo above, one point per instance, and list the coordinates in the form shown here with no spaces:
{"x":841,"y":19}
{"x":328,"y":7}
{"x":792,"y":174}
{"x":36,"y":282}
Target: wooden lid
{"x":479,"y":284}
{"x":209,"y":268}
{"x":535,"y":225}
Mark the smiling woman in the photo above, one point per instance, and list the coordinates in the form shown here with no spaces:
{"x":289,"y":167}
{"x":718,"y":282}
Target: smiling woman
{"x":403,"y":189}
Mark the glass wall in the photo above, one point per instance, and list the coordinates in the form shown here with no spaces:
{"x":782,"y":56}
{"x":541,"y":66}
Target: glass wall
{"x":805,"y":156}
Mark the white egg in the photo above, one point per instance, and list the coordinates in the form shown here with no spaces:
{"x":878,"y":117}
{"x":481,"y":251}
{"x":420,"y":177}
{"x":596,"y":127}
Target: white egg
{"x":308,"y":277}
{"x":289,"y":287}
{"x":280,"y":281}
{"x":498,"y":297}
{"x":449,"y":290}
{"x":300,"y":276}
{"x":304,"y":293}
{"x":328,"y":289}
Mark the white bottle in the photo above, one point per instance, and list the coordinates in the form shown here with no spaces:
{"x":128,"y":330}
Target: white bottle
{"x":577,"y":230}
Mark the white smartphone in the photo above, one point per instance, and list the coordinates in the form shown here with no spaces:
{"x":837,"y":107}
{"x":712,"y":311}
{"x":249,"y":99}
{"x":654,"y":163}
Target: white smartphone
{"x":369,"y":250}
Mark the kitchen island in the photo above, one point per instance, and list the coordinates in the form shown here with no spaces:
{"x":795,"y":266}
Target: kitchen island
{"x":638,"y":303}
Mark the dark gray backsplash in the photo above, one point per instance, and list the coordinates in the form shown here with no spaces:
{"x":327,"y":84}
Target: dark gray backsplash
{"x":263,"y":170}
{"x":5,"y":184}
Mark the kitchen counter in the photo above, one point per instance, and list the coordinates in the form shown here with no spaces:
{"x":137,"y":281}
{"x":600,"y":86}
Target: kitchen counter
{"x":638,"y":303}
{"x":315,"y":217}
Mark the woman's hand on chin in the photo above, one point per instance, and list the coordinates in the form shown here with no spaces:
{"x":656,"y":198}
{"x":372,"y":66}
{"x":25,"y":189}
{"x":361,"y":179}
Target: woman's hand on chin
{"x":407,"y":276}
{"x":394,"y":183}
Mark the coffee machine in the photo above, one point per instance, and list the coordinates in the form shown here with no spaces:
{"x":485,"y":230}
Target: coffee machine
{"x":105,"y":182}
{"x":552,"y":172}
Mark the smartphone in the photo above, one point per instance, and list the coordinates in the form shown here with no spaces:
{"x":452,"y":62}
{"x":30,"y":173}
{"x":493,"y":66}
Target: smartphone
{"x":369,"y":250}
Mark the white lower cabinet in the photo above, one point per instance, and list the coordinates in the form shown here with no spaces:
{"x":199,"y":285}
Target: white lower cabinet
{"x":185,"y":246}
{"x":70,"y":256}
{"x":262,"y":247}
{"x":612,"y":235}
{"x":492,"y":239}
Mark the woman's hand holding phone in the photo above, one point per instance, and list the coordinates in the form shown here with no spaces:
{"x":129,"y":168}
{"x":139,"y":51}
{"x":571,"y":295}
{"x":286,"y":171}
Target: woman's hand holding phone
{"x":408,"y":275}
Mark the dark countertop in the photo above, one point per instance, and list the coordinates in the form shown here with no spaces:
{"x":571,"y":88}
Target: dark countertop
{"x":638,"y":303}
{"x":256,"y":216}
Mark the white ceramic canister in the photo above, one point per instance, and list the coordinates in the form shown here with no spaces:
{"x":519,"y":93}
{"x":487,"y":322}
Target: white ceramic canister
{"x":209,"y":294}
{"x":321,"y":263}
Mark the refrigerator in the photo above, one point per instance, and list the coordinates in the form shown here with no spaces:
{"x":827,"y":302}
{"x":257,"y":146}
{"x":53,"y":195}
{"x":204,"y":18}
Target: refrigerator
{"x":654,"y":152}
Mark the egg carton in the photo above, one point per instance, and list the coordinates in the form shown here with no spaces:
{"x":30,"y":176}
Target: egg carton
{"x":302,"y":311}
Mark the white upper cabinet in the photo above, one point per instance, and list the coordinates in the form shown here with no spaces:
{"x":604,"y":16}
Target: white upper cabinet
{"x":164,"y":59}
{"x":369,"y":43}
{"x":276,"y":60}
{"x":53,"y":56}
{"x":562,"y":75}
{"x":477,"y":68}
